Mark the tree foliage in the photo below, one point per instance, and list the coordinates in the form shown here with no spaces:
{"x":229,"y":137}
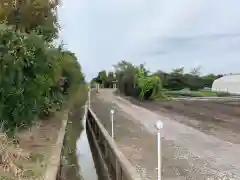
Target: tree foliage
{"x":125,"y":76}
{"x":177,"y":79}
{"x":110,"y":80}
{"x":135,"y":80}
{"x":102,"y":77}
{"x":149,"y":86}
{"x":31,"y":15}
{"x":35,"y":78}
{"x":195,"y":71}
{"x":132,"y":80}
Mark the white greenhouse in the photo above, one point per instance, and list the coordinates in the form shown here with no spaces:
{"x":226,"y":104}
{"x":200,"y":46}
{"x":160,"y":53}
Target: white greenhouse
{"x":229,"y":83}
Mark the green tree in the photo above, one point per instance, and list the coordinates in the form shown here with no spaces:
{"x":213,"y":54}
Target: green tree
{"x":178,"y":71}
{"x":175,"y":79}
{"x":101,"y":77}
{"x":149,"y":86}
{"x":35,"y":78}
{"x":134,"y":81}
{"x":71,"y":71}
{"x":31,"y":15}
{"x":196,"y":71}
{"x":163,"y":76}
{"x":125,"y":75}
{"x":208,"y":80}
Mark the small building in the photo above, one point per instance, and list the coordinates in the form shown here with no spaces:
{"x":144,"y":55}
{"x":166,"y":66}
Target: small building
{"x":228,"y":83}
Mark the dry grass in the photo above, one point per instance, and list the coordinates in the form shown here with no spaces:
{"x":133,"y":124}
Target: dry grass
{"x":25,"y":157}
{"x":10,"y":156}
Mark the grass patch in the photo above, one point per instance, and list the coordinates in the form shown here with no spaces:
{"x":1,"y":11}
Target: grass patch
{"x":191,"y":93}
{"x":196,"y":94}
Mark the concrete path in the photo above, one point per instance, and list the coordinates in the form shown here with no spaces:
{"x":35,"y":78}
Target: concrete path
{"x":187,"y":153}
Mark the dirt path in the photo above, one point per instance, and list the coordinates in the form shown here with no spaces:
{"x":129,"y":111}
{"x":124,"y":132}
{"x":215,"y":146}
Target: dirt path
{"x":219,"y":119}
{"x":187,"y":152}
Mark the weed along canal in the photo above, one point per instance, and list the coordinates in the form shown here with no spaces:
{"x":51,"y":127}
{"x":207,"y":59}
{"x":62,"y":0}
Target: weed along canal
{"x":77,"y":162}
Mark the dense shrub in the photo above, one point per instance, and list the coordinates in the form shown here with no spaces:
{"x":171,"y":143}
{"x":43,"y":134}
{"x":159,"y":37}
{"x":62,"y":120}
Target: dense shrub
{"x":32,"y":77}
{"x":149,"y":86}
{"x":125,"y":75}
{"x":134,"y":81}
{"x":178,"y":81}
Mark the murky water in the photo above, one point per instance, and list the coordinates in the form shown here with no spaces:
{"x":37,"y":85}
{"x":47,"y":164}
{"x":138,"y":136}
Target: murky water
{"x":84,"y":157}
{"x":77,"y":163}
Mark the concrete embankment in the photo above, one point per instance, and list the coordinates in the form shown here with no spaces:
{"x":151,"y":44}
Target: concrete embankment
{"x":55,"y":156}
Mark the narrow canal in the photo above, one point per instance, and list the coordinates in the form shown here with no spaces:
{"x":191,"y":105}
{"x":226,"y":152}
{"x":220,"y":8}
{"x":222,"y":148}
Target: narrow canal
{"x":77,"y":162}
{"x":84,"y":156}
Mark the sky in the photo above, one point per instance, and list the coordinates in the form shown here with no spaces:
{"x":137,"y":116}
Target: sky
{"x":163,"y":34}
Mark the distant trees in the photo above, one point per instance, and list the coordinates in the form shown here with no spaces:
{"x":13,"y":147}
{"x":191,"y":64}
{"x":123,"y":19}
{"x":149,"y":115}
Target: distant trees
{"x":101,"y":77}
{"x":178,"y":79}
{"x":105,"y":79}
{"x":195,"y":71}
{"x":125,"y":76}
{"x":133,"y":80}
{"x":177,"y":71}
{"x":138,"y":82}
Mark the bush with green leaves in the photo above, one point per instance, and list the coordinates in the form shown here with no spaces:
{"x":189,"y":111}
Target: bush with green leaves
{"x":35,"y":78}
{"x":134,"y":81}
{"x":149,"y":86}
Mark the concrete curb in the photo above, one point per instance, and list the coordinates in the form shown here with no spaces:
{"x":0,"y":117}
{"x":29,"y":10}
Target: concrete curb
{"x":55,"y":157}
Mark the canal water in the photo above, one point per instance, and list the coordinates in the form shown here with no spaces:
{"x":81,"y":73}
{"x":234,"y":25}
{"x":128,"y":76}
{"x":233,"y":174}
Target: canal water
{"x":84,"y":156}
{"x":77,"y":163}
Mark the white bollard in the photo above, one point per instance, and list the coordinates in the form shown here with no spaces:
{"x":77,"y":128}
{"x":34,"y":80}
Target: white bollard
{"x":97,"y":88}
{"x":159,"y":126}
{"x":89,"y":97}
{"x":112,"y":113}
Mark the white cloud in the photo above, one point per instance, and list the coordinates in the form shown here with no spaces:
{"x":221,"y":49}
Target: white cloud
{"x":164,"y":34}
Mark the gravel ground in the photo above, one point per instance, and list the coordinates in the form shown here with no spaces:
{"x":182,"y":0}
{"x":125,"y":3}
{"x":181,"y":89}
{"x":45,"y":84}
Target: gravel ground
{"x":187,"y":153}
{"x":219,"y":119}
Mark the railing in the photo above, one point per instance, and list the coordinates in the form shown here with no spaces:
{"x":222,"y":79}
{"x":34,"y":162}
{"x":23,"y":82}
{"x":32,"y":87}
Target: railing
{"x":111,"y":164}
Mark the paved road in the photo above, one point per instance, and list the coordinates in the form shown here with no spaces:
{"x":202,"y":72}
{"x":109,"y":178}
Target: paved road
{"x":188,"y":154}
